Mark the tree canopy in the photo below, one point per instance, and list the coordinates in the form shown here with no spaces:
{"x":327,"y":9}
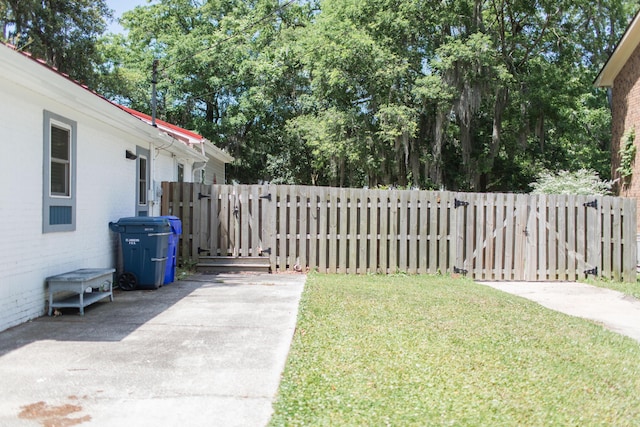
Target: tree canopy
{"x":61,"y":32}
{"x":481,"y":95}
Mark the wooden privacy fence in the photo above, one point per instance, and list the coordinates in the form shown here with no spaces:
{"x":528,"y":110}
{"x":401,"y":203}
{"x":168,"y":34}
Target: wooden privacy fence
{"x":357,"y":231}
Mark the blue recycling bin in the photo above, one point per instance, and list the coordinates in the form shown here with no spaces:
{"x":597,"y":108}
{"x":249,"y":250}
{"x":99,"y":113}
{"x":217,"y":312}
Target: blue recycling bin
{"x":145,"y":241}
{"x":172,"y":249}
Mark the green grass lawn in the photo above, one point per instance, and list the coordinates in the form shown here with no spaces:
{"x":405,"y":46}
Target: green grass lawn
{"x":431,"y":350}
{"x":631,"y":289}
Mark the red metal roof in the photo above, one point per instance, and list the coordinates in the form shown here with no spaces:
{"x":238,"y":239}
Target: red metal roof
{"x":175,"y":131}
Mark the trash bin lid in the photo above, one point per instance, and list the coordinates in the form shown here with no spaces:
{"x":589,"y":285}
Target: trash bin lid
{"x":147,"y":223}
{"x":176,"y":224}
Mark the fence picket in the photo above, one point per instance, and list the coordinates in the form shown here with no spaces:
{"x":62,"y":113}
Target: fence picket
{"x":293,"y":232}
{"x":364,"y":216}
{"x":498,"y":249}
{"x":481,"y":238}
{"x":384,"y":232}
{"x":629,"y":264}
{"x":520,"y":236}
{"x":541,"y":227}
{"x":185,"y":212}
{"x":333,"y":231}
{"x":254,"y":220}
{"x":581,"y":242}
{"x":374,"y":215}
{"x":606,"y":213}
{"x":352,"y":242}
{"x":284,"y":193}
{"x":423,"y":224}
{"x":616,"y":234}
{"x":303,"y":230}
{"x":509,"y":238}
{"x":434,"y":233}
{"x":594,"y":236}
{"x":323,"y":216}
{"x":552,"y":238}
{"x":394,"y":207}
{"x":572,"y":261}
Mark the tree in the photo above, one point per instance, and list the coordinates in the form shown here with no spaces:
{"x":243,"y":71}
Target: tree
{"x":462,"y":94}
{"x":222,"y":71}
{"x":63,"y":33}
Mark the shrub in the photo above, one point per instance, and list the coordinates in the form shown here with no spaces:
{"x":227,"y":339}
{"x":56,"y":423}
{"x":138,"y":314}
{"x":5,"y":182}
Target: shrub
{"x":582,"y":182}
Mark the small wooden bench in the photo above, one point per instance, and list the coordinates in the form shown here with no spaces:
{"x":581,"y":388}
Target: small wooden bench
{"x":99,"y":280}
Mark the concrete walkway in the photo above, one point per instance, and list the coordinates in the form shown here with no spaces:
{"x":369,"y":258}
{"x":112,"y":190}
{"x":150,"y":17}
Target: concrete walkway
{"x":203,"y":352}
{"x":612,"y":309}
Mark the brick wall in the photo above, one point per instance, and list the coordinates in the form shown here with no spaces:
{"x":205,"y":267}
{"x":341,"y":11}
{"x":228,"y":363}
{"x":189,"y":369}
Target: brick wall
{"x":625,"y":110}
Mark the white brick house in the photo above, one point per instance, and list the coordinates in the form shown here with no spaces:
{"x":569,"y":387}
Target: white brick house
{"x":72,"y":162}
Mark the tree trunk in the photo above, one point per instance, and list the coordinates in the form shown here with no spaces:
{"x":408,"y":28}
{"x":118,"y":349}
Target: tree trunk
{"x":435,"y":165}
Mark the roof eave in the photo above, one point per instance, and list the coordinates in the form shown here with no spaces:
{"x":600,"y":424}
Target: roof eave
{"x":177,"y":147}
{"x":621,"y":54}
{"x":217,"y":152}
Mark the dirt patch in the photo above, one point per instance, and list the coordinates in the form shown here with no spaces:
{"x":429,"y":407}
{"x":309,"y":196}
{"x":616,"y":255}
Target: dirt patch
{"x":53,"y":416}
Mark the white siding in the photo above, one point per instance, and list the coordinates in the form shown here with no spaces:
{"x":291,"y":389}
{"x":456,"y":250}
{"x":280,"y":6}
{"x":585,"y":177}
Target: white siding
{"x":215,"y":168}
{"x":106,"y":183}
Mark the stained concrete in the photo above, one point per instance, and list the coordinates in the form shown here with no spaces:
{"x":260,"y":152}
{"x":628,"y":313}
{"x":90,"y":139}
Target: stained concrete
{"x":208,"y":351}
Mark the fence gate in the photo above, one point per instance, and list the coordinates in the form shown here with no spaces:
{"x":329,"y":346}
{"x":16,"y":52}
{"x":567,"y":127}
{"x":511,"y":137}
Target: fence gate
{"x":221,"y":220}
{"x":525,"y":237}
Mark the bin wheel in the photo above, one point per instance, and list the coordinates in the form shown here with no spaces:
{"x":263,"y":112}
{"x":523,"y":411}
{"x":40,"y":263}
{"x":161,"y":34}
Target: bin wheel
{"x":127,"y":281}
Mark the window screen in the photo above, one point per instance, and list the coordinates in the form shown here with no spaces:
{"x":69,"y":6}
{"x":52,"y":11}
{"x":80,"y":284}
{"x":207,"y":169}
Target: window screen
{"x":60,"y":161}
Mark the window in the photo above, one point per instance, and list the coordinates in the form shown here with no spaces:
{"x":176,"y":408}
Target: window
{"x":60,"y":161}
{"x":180,"y":172}
{"x":142,"y":181}
{"x":59,"y":178}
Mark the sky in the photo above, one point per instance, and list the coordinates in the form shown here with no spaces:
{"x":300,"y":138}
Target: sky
{"x":120,"y":6}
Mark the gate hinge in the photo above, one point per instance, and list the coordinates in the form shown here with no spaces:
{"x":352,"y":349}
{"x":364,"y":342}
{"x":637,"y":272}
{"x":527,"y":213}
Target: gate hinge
{"x":457,"y":203}
{"x":457,"y":270}
{"x":593,"y":204}
{"x":200,"y":250}
{"x":268,"y":197}
{"x":593,"y":271}
{"x":265,"y":251}
{"x":203,"y":196}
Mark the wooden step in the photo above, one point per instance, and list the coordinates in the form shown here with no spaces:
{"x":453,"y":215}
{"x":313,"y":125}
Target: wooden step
{"x":221,"y":264}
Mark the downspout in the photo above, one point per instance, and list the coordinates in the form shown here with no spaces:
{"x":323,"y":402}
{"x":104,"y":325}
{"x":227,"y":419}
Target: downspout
{"x":197,"y":168}
{"x":152,"y":200}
